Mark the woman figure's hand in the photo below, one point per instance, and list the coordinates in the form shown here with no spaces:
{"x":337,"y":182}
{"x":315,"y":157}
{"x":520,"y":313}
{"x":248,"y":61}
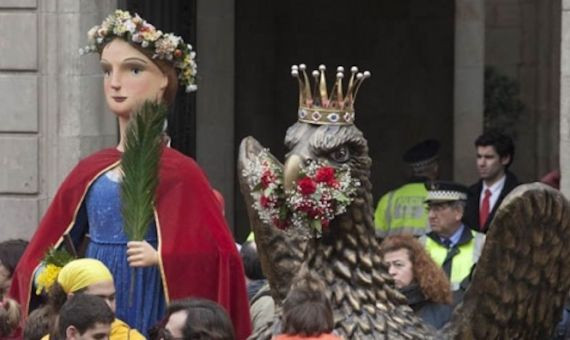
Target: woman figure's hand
{"x":141,"y":254}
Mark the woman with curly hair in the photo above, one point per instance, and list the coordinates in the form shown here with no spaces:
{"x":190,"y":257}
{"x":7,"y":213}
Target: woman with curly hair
{"x":419,"y":278}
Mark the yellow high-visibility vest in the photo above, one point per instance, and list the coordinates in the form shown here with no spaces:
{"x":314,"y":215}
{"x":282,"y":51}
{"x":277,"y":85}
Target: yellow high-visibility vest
{"x":461,"y":263}
{"x":402,"y":211}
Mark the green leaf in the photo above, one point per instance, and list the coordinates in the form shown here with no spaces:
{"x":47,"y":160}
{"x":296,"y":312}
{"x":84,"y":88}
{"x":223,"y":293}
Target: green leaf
{"x":140,"y":164}
{"x":342,"y":198}
{"x":283,"y":212}
{"x":316,"y":224}
{"x":58,"y":257}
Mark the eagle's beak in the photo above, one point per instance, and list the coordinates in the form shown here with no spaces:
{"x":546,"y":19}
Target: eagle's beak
{"x":291,"y":171}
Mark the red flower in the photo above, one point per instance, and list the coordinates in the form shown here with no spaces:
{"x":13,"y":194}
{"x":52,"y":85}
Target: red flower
{"x":177,"y":53}
{"x":266,"y":179}
{"x":325,"y":175}
{"x":281,"y":224}
{"x":264,"y":201}
{"x":307,"y":186}
{"x":325,"y":223}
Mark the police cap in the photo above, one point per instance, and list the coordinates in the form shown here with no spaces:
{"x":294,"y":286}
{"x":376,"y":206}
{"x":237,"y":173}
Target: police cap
{"x":445,"y":191}
{"x":422,"y":154}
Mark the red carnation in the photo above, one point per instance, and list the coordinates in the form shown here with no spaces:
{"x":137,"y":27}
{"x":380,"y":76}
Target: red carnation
{"x":325,"y":175}
{"x":307,"y":186}
{"x":264,"y":201}
{"x":177,"y":53}
{"x":266,"y":179}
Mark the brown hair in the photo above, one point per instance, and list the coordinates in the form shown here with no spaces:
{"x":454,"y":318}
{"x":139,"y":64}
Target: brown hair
{"x":306,"y":310}
{"x":10,"y":253}
{"x":165,"y":66}
{"x":9,"y":316}
{"x":205,"y":320}
{"x":37,"y":324}
{"x":431,"y":279}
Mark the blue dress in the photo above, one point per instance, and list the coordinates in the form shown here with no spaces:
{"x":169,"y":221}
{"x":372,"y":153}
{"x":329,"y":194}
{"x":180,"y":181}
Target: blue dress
{"x":109,"y":245}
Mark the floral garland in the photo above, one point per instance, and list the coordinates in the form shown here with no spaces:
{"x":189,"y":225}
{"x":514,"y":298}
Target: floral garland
{"x":165,"y":46}
{"x":321,"y":193}
{"x":265,"y":180}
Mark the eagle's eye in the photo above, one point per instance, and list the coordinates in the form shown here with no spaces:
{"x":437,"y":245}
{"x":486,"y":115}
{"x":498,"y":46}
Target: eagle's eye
{"x":340,"y":154}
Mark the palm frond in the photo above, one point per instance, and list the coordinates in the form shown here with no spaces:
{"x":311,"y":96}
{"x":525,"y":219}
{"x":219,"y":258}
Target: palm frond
{"x":139,"y":163}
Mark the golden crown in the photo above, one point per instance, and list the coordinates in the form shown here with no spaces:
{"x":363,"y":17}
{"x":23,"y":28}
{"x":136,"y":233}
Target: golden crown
{"x":316,"y":106}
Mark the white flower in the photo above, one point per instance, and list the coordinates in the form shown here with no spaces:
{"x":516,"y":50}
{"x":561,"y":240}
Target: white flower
{"x":92,"y":33}
{"x":191,"y":88}
{"x":144,"y":43}
{"x":137,"y":38}
{"x":130,"y":26}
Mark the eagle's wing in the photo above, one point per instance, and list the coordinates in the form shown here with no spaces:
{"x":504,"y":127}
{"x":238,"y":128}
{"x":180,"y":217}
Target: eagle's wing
{"x":523,"y":276}
{"x":280,"y":253}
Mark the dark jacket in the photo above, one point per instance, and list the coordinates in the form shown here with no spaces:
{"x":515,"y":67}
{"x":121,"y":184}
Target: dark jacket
{"x":471,"y":215}
{"x":435,"y":314}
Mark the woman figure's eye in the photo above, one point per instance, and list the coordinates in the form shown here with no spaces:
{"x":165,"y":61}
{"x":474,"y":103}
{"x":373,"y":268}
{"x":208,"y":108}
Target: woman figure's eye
{"x":136,"y":70}
{"x":106,"y":73}
{"x":341,"y":154}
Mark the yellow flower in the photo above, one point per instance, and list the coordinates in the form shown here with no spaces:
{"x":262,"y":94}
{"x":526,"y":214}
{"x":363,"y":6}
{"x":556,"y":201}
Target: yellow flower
{"x":47,"y":278}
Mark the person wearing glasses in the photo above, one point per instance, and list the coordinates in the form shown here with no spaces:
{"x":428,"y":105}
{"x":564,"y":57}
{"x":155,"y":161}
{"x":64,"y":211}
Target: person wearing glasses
{"x":453,"y":245}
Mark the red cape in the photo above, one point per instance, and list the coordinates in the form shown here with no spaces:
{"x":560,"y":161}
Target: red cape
{"x":198,"y":254}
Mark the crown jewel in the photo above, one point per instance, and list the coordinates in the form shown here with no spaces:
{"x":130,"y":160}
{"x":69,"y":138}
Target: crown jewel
{"x":134,"y":29}
{"x":316,"y":106}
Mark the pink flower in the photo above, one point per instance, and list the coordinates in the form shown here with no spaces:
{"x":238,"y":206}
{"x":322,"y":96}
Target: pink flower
{"x":325,"y":175}
{"x":307,"y":186}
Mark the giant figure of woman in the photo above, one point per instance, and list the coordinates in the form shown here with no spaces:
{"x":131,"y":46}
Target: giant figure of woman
{"x":188,"y":250}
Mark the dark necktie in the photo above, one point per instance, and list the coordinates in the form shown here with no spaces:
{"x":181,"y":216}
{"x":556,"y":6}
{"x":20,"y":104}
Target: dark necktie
{"x":451,"y":252}
{"x":485,"y":208}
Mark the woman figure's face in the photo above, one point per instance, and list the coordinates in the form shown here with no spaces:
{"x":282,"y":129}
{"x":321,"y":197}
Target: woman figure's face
{"x":130,"y":78}
{"x":400,"y":267}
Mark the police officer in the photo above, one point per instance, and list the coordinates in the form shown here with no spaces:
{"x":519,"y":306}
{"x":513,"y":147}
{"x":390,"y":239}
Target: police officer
{"x":403,"y":210}
{"x":453,"y":246}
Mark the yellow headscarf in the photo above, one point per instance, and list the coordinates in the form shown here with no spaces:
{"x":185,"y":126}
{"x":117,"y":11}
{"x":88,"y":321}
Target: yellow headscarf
{"x":81,"y":273}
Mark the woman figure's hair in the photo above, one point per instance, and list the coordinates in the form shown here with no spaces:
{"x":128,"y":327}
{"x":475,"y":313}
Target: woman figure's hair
{"x":431,"y":279}
{"x":306,"y":309}
{"x":9,"y":316}
{"x":206,"y":320}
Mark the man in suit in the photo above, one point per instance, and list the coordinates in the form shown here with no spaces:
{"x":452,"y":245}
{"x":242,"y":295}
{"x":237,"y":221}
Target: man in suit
{"x":495,"y":152}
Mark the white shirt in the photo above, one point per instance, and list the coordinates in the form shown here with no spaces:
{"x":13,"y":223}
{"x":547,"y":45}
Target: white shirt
{"x":495,"y":192}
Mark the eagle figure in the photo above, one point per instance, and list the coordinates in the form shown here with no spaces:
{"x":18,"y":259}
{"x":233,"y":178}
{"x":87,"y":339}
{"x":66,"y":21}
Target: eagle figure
{"x":518,"y":288}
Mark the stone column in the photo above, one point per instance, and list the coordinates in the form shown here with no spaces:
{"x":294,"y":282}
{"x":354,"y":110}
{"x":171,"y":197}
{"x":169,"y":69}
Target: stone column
{"x":53,"y":110}
{"x":565,"y":99}
{"x":468,"y":91}
{"x":215,"y":149}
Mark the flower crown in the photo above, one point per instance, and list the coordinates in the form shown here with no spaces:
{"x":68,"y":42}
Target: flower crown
{"x":165,"y":46}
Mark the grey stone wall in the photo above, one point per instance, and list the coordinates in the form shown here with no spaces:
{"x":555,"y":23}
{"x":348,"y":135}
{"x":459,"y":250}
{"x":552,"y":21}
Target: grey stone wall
{"x":53,"y":111}
{"x":523,"y":42}
{"x":468,"y":86}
